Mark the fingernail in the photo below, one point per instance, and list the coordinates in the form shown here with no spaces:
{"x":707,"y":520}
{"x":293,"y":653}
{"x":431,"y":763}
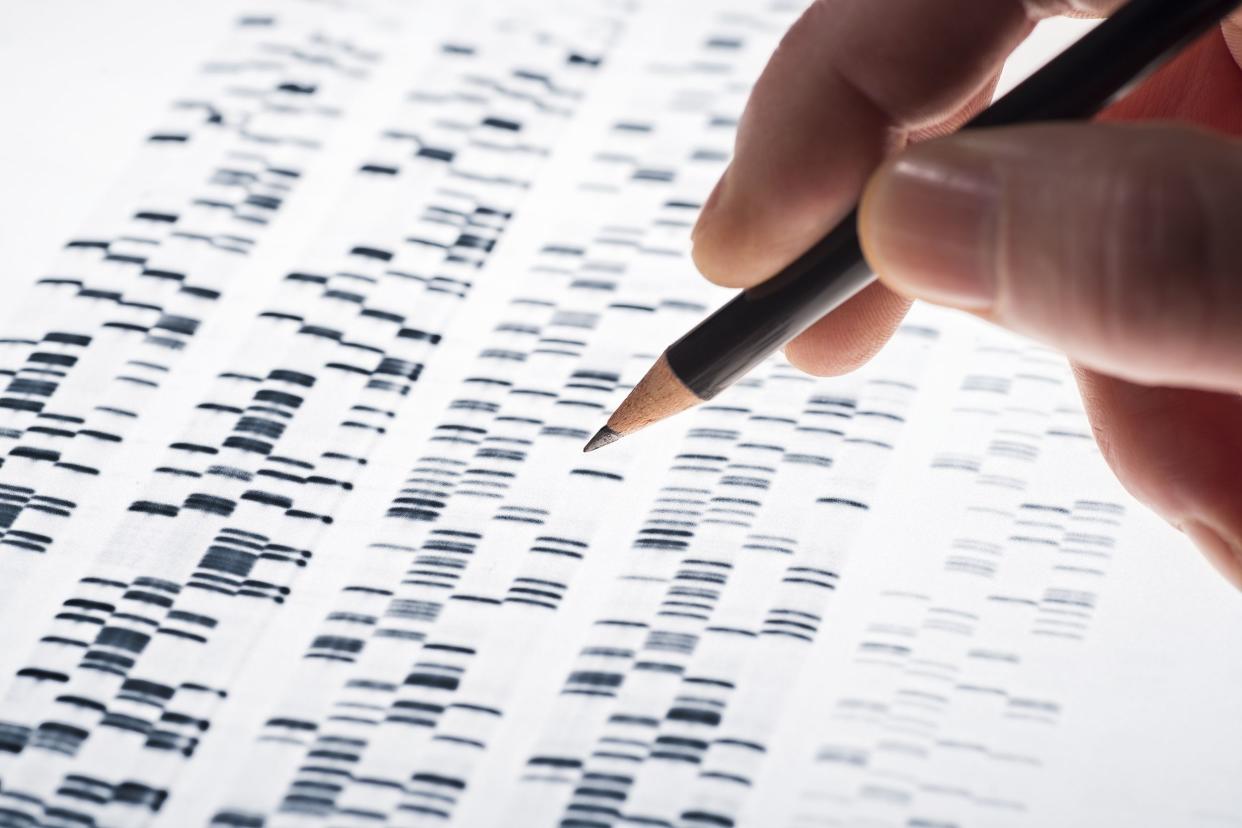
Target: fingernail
{"x":1226,"y":556}
{"x":928,"y":222}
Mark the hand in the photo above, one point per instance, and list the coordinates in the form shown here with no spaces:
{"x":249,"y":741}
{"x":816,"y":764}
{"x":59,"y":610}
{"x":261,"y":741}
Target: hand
{"x":1119,"y":244}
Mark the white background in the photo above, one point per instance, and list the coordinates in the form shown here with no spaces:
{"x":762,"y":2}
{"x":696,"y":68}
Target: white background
{"x":81,"y":84}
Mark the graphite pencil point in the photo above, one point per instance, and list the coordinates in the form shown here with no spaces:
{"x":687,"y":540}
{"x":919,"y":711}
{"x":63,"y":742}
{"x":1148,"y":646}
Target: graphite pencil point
{"x":602,"y":438}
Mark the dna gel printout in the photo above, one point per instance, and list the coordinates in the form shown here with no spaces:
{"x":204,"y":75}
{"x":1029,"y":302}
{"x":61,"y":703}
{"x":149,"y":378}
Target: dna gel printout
{"x":295,"y":527}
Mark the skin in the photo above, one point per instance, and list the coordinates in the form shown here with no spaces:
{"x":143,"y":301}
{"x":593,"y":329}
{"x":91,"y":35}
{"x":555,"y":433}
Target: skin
{"x":1118,"y":242}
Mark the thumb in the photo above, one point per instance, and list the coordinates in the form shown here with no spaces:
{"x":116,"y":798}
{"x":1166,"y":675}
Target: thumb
{"x":1120,"y":245}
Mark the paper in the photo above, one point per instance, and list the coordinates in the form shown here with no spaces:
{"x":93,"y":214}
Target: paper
{"x":297,"y":530}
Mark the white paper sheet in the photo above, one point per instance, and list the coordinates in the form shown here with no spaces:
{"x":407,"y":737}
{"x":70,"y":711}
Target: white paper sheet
{"x":296,"y":529}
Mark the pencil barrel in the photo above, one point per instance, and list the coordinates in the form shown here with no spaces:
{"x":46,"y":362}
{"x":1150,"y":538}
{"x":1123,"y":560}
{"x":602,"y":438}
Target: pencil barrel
{"x":759,"y":320}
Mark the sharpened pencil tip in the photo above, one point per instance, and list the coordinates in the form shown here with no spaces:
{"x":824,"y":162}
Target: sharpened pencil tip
{"x":602,"y":438}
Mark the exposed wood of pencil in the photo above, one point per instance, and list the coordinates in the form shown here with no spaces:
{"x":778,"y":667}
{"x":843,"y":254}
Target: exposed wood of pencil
{"x":659,"y":394}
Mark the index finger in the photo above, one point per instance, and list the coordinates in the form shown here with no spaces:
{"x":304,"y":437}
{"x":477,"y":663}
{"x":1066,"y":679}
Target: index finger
{"x":844,"y":89}
{"x":841,"y":91}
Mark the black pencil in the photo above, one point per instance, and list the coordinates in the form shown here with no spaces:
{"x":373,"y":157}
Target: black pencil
{"x":1076,"y":84}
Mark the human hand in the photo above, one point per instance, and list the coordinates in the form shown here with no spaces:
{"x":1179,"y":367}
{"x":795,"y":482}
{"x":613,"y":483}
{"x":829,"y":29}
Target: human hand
{"x":1119,"y":244}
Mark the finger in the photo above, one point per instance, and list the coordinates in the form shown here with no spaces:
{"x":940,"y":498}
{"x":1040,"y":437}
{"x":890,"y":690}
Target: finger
{"x":1203,"y":84}
{"x":850,"y":335}
{"x":845,"y":86}
{"x":1178,"y":451}
{"x":1232,"y":30}
{"x":841,"y":90}
{"x":954,"y":122}
{"x":855,"y":332}
{"x":1117,"y":244}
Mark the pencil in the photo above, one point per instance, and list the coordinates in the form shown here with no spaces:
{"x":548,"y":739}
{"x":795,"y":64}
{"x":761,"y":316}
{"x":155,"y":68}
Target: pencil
{"x":1075,"y":85}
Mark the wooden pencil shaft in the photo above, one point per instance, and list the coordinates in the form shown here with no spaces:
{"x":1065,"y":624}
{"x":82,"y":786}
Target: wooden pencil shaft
{"x":657,"y":395}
